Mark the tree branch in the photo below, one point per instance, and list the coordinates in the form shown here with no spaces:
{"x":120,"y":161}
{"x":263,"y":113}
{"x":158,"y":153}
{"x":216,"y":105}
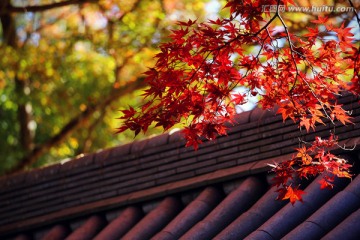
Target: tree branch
{"x":24,"y":113}
{"x":87,"y":142}
{"x":74,"y":124}
{"x":356,"y":13}
{"x":42,"y":8}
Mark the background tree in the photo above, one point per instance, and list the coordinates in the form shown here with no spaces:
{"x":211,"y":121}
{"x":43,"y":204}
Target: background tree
{"x":301,"y":70}
{"x":66,"y":68}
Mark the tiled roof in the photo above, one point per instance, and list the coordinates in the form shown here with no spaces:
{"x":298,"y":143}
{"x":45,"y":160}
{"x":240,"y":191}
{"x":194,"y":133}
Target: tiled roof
{"x":157,"y":188}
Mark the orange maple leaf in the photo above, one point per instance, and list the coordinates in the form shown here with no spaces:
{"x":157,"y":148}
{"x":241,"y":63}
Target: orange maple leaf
{"x":302,"y":153}
{"x":340,"y":114}
{"x":294,"y":194}
{"x":307,"y":123}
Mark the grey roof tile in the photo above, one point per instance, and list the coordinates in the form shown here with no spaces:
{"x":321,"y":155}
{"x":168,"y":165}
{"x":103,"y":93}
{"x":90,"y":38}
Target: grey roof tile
{"x":249,"y":221}
{"x":121,"y":225}
{"x":155,"y":220}
{"x":89,"y":229}
{"x":348,"y":229}
{"x":191,"y":215}
{"x":233,"y":205}
{"x":58,"y":232}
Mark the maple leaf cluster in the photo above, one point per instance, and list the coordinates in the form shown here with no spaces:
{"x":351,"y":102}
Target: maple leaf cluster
{"x":310,"y":162}
{"x":195,"y":75}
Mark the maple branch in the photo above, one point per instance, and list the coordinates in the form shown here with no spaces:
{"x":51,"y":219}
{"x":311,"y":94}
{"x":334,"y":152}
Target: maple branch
{"x":356,"y":14}
{"x":248,"y":70}
{"x":297,"y":71}
{"x":42,"y":8}
{"x":202,"y":63}
{"x":358,"y":52}
{"x":291,"y":49}
{"x":270,"y":21}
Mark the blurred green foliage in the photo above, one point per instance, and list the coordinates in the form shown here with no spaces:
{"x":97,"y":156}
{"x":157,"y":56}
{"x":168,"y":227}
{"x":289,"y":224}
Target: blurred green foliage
{"x":69,"y":59}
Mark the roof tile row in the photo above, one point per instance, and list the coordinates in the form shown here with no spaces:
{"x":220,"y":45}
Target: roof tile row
{"x":249,"y":211}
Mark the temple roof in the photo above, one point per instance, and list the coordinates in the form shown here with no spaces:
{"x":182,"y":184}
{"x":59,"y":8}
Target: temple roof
{"x":158,"y":188}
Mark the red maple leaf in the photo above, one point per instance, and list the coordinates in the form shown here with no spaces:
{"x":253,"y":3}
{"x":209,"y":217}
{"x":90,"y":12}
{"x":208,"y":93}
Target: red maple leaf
{"x":326,"y":184}
{"x":321,"y":20}
{"x":238,"y":98}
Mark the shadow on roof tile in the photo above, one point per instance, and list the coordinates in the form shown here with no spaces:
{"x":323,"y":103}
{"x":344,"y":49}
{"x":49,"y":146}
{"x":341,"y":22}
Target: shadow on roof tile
{"x":349,"y":229}
{"x":192,"y":214}
{"x":22,"y":237}
{"x":57,"y":232}
{"x":121,"y":225}
{"x":249,"y":221}
{"x":232,"y":206}
{"x":155,"y":220}
{"x":89,"y":229}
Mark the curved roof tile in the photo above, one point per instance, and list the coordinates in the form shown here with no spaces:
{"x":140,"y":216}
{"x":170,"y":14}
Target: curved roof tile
{"x":58,"y":232}
{"x":89,"y":229}
{"x":193,"y":213}
{"x":122,"y":224}
{"x":249,"y":221}
{"x":347,"y":229}
{"x":233,"y":205}
{"x":155,"y":220}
